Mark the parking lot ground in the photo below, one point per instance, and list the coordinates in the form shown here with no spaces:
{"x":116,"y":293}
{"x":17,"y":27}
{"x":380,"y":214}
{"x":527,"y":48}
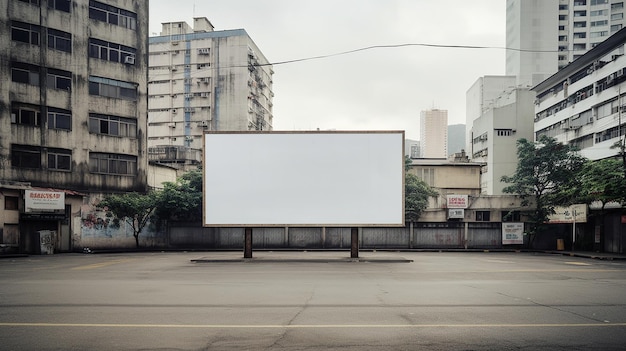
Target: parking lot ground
{"x":312,"y":301}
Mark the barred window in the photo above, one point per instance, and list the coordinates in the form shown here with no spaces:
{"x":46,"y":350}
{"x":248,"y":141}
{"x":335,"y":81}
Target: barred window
{"x":112,"y":125}
{"x":25,"y":156}
{"x":25,"y":114}
{"x":112,"y":163}
{"x":59,"y":119}
{"x":113,"y":15}
{"x":59,"y":40}
{"x":24,"y":73}
{"x":112,"y":88}
{"x":105,"y":50}
{"x":58,"y":79}
{"x":61,"y":5}
{"x":60,"y":159}
{"x":25,"y":32}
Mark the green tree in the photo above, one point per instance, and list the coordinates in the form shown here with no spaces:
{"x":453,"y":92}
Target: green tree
{"x":134,"y":208}
{"x":546,"y":170}
{"x":181,"y":200}
{"x":601,"y":180}
{"x":416,"y":194}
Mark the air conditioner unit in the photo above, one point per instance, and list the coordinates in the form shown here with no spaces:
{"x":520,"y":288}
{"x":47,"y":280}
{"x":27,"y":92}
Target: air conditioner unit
{"x":172,"y":125}
{"x":173,"y":68}
{"x":203,"y":124}
{"x":204,"y":95}
{"x":203,"y":51}
{"x":175,"y":43}
{"x":129,"y":60}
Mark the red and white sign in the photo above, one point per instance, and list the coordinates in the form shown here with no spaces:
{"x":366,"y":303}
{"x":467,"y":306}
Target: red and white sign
{"x":38,"y":201}
{"x":457,"y":201}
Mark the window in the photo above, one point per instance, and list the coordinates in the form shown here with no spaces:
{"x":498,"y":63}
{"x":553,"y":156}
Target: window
{"x":59,"y":119}
{"x":104,"y":50}
{"x":60,"y":159}
{"x":112,"y":163}
{"x":61,"y":5}
{"x":25,"y":114}
{"x":34,"y":2}
{"x":562,"y":7}
{"x":600,"y":13}
{"x":599,"y":34}
{"x":504,"y":132}
{"x":112,"y":88}
{"x":427,"y":175}
{"x":599,"y":2}
{"x":580,"y":13}
{"x":580,"y":47}
{"x":59,"y":40}
{"x":24,"y":73}
{"x":11,"y":203}
{"x":511,"y":216}
{"x":616,"y":27}
{"x":482,"y":216}
{"x":617,"y":16}
{"x":24,"y":32}
{"x":562,"y":17}
{"x":579,"y":25}
{"x":617,"y":6}
{"x":58,"y":79}
{"x":112,"y":15}
{"x":599,"y":23}
{"x":25,"y":156}
{"x":607,"y":109}
{"x":580,"y":35}
{"x":112,"y":125}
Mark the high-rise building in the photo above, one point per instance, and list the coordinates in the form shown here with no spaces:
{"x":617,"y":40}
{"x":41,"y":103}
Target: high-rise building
{"x":434,"y":133}
{"x":73,"y":122}
{"x":204,"y":80}
{"x":532,"y":33}
{"x":546,"y":35}
{"x":583,"y":104}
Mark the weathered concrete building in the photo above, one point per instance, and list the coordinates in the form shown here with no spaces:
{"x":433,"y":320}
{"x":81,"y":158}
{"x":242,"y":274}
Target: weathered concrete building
{"x":204,"y":80}
{"x":74,"y":117}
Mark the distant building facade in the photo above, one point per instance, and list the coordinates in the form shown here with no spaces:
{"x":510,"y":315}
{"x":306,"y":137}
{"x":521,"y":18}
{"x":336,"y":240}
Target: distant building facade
{"x":204,"y":80}
{"x":74,"y":89}
{"x":434,"y":133}
{"x":583,"y":104}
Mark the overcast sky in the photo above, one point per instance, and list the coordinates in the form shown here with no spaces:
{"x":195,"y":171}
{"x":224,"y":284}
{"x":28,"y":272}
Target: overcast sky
{"x":377,"y":89}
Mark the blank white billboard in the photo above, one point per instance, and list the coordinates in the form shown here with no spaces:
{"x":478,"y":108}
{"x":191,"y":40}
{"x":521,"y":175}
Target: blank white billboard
{"x":266,"y":179}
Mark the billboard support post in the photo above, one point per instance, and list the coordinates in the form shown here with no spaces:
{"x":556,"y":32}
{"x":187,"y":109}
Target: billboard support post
{"x":354,"y":242}
{"x":247,"y":249}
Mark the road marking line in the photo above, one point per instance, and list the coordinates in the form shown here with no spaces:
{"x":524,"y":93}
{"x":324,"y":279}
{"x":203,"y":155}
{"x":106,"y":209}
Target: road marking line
{"x":314,"y":326}
{"x":102,"y":264}
{"x":578,"y":263}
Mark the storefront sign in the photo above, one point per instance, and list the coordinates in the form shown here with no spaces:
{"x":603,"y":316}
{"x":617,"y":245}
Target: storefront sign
{"x":457,"y":201}
{"x":575,"y":213}
{"x":43,"y":201}
{"x":512,"y":233}
{"x":456,"y":213}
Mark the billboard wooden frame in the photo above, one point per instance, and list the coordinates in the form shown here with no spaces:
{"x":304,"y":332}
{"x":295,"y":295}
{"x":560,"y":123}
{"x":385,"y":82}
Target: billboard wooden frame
{"x":259,"y":181}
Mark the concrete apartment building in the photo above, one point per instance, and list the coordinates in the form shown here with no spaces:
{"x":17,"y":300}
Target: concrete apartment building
{"x":583,"y":103}
{"x":542,"y":36}
{"x":434,"y":133}
{"x":204,"y":80}
{"x":73,"y":126}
